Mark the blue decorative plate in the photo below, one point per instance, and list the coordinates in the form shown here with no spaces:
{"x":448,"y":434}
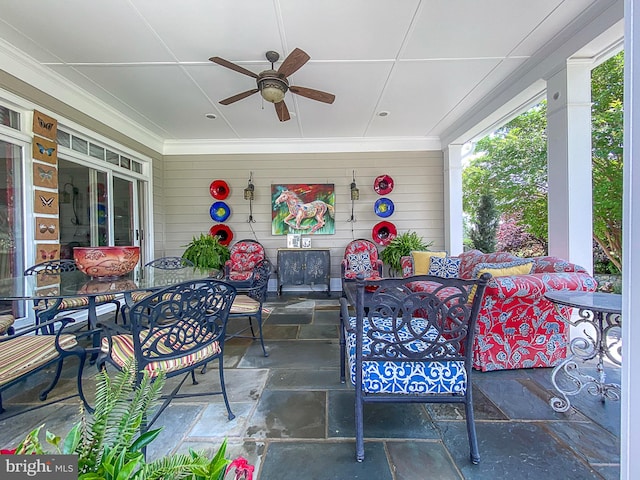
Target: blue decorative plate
{"x":219,"y":211}
{"x":383,"y":207}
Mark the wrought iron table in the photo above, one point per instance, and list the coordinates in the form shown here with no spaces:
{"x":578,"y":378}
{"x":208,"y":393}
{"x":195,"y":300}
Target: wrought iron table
{"x":600,"y":314}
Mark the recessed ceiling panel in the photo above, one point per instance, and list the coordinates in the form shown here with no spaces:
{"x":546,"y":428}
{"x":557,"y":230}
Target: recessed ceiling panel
{"x":470,"y":29}
{"x":162,"y":93}
{"x":200,"y":29}
{"x":86,"y":31}
{"x":356,"y":29}
{"x":420,"y":94}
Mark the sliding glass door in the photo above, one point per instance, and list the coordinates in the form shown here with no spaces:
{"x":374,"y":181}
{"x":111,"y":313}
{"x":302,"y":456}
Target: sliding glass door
{"x":96,"y":208}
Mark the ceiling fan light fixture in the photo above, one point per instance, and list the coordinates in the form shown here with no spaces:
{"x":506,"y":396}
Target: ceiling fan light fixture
{"x":272,"y":90}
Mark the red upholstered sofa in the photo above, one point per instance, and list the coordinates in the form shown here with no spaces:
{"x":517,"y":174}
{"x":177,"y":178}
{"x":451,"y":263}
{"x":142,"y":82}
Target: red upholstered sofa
{"x":517,"y":326}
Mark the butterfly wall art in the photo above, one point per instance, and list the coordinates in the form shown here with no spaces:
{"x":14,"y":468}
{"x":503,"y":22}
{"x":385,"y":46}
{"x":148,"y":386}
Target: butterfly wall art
{"x":47,"y":251}
{"x":45,"y":150}
{"x":45,"y":202}
{"x":45,"y":175}
{"x":47,"y":228}
{"x":44,"y":125}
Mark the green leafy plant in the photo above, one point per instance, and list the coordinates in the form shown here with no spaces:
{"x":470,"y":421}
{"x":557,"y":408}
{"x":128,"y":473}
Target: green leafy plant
{"x":401,"y":246}
{"x":207,"y":252}
{"x":110,"y":446}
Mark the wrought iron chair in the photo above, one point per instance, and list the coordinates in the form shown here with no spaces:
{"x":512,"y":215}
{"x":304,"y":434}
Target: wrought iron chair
{"x":162,"y":263}
{"x":47,"y":309}
{"x":174,"y":330}
{"x":411,"y":347}
{"x":250,"y":303}
{"x":6,"y":324}
{"x":244,"y":255}
{"x":360,"y":257}
{"x":23,"y":354}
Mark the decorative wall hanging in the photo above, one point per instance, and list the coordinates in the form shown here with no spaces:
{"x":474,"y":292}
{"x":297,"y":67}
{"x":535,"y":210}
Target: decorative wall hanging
{"x":47,"y":228}
{"x":383,"y":207}
{"x":355,"y":195}
{"x":383,"y":232}
{"x":249,"y":194}
{"x":219,"y":211}
{"x":44,"y":125}
{"x":47,"y":251}
{"x":219,"y":189}
{"x":383,"y":185}
{"x":303,"y":208}
{"x":223,"y":232}
{"x":45,"y":202}
{"x":45,"y":175}
{"x":45,"y":150}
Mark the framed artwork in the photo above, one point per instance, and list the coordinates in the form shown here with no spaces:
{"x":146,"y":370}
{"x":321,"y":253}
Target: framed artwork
{"x":303,"y":208}
{"x":293,"y":240}
{"x":306,"y":242}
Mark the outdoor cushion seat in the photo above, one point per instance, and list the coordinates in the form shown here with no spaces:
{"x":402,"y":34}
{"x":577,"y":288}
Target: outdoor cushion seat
{"x":244,"y":304}
{"x":122,"y":350}
{"x":74,"y":303}
{"x":23,"y":354}
{"x":244,"y":255}
{"x":6,"y":324}
{"x":404,"y":377}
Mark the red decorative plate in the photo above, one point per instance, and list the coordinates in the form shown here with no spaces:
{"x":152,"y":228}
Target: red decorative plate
{"x":219,"y":189}
{"x":223,"y":231}
{"x":383,"y":184}
{"x":383,"y":232}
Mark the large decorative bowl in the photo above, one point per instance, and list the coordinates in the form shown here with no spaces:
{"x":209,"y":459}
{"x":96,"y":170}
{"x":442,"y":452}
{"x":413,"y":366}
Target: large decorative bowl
{"x":106,"y":262}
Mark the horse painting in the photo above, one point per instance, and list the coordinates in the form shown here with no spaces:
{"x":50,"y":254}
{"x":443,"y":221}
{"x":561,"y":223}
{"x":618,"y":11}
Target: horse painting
{"x":300,"y":211}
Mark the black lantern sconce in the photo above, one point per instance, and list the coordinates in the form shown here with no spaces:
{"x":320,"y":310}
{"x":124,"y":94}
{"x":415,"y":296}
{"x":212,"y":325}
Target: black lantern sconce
{"x":249,"y":195}
{"x":355,"y":195}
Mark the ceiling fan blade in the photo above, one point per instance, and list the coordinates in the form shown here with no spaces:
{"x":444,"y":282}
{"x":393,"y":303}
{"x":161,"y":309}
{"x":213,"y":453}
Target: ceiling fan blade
{"x":293,"y":62}
{"x":313,"y":94}
{"x":237,"y":97}
{"x":282,"y":111}
{"x":233,"y":66}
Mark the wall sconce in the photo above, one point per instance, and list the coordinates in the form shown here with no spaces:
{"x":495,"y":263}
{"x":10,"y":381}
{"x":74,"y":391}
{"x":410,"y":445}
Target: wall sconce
{"x":355,"y":195}
{"x":249,"y":195}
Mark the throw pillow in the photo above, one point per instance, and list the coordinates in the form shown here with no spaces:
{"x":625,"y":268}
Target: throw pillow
{"x":517,"y":267}
{"x":447,"y":267}
{"x":359,"y":262}
{"x":422,"y":261}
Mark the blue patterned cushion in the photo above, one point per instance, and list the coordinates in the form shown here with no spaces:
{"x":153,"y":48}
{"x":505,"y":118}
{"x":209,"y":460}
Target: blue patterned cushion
{"x":404,"y":377}
{"x":359,"y":262}
{"x":447,"y":267}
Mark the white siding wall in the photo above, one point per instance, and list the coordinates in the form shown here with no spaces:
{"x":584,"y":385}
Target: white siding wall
{"x":184,"y":197}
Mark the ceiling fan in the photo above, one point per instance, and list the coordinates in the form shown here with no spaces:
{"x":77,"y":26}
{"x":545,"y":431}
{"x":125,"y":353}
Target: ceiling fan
{"x":273,"y":84}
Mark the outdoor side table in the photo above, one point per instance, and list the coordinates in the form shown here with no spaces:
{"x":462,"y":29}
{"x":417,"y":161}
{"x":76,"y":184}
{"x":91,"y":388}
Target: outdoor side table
{"x":600,"y":314}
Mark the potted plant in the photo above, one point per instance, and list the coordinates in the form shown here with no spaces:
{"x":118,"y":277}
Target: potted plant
{"x":207,"y":252}
{"x":402,"y":245}
{"x":110,"y":446}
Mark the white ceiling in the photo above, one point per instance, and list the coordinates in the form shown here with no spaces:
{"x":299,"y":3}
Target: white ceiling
{"x":425,"y":62}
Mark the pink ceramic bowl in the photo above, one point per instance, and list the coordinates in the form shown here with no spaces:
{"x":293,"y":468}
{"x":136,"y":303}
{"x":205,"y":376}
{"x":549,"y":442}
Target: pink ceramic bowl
{"x":106,"y":262}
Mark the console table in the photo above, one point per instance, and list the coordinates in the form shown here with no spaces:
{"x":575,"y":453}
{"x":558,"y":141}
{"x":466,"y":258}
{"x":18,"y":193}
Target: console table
{"x":601,"y":314}
{"x":304,"y":266}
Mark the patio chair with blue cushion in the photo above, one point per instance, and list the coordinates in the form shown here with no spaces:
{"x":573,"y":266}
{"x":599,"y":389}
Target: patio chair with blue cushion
{"x":45,"y":309}
{"x":175,"y":330}
{"x":411,"y":347}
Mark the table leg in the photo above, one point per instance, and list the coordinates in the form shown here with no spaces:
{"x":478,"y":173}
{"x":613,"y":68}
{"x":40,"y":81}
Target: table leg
{"x":585,"y":349}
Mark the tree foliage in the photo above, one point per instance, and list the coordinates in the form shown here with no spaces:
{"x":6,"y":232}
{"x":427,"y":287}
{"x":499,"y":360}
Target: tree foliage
{"x":484,"y":227}
{"x":511,"y":164}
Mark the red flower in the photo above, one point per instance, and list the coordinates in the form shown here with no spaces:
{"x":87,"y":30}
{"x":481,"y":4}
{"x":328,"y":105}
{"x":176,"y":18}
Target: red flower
{"x":8,"y":452}
{"x":244,"y":470}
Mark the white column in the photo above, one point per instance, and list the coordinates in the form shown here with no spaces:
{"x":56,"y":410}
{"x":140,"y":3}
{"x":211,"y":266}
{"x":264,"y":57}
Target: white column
{"x":630,"y":421}
{"x":569,"y":163}
{"x":453,"y":231}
